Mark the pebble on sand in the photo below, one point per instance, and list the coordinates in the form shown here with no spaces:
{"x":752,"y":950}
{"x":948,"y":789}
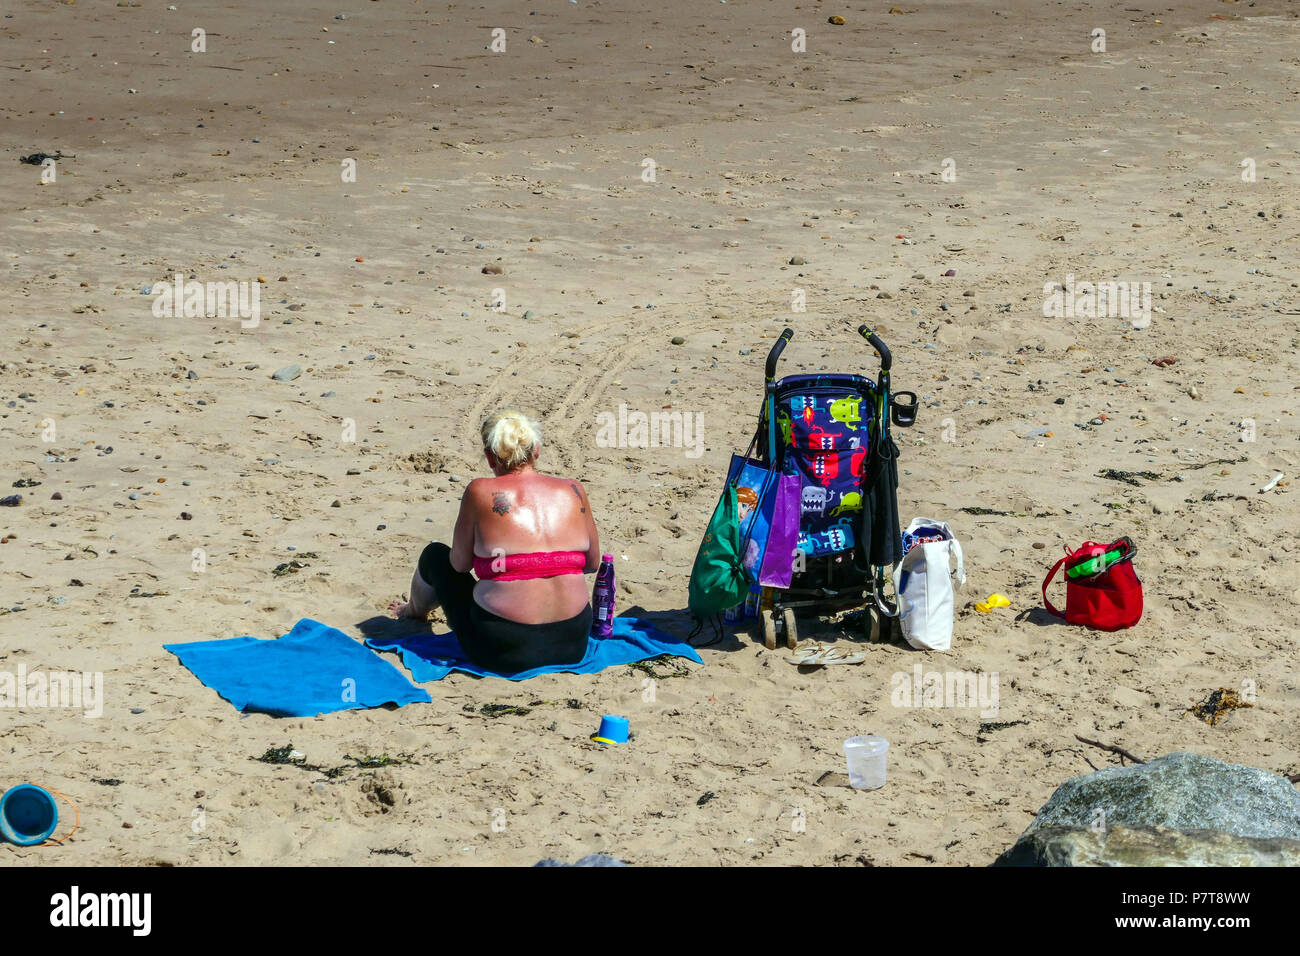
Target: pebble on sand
{"x":492,"y":269}
{"x":287,"y":374}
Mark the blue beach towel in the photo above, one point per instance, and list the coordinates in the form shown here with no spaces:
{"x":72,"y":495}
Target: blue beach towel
{"x":312,"y":670}
{"x":434,"y":656}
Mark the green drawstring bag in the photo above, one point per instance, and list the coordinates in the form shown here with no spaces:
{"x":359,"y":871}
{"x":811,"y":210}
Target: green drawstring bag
{"x":718,"y":579}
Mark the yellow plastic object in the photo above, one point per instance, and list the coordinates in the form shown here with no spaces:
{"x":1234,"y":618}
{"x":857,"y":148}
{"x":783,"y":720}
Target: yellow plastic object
{"x":605,"y":741}
{"x":992,"y":601}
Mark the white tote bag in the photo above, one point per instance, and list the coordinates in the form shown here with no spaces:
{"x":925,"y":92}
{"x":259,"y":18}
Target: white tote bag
{"x":925,"y":586}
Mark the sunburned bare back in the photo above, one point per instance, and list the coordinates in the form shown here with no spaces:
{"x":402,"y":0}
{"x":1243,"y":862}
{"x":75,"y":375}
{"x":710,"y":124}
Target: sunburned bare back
{"x":519,"y":513}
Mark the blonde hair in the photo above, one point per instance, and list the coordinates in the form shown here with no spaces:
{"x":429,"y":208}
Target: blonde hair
{"x":512,"y":437}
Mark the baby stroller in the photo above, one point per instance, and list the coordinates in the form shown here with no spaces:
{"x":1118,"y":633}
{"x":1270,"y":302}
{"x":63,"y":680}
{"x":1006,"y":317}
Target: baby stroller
{"x":834,"y":434}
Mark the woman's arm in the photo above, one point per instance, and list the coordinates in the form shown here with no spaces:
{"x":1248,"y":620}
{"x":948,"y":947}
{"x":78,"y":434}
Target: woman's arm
{"x":462,"y":539}
{"x":593,"y":536}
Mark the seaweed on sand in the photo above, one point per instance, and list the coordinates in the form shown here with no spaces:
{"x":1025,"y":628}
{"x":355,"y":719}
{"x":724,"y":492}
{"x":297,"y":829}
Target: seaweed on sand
{"x":518,"y":710}
{"x":281,"y":755}
{"x":1217,"y":461}
{"x":294,"y":566}
{"x":137,"y":593}
{"x":647,"y":667}
{"x":287,"y":756}
{"x":1128,"y":477}
{"x":1217,"y":704}
{"x":501,"y":710}
{"x":994,"y":513}
{"x":381,"y":760}
{"x":989,"y":726}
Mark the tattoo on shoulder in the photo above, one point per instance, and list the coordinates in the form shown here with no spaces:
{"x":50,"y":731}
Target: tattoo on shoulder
{"x":500,"y":502}
{"x":578,"y":491}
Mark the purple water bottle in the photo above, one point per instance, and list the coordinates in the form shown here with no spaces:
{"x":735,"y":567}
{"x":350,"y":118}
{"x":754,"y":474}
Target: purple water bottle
{"x":602,"y":599}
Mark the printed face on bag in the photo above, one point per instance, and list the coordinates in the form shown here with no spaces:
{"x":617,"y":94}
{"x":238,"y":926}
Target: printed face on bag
{"x":746,"y":502}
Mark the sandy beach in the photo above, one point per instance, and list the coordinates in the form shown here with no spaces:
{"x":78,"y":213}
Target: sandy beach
{"x":624,"y":177}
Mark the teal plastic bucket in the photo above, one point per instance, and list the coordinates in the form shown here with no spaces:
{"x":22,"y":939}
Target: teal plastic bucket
{"x":28,"y":815}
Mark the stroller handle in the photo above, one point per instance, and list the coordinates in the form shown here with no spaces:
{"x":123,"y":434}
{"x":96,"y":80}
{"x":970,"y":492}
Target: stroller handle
{"x":774,"y":355}
{"x":877,"y":343}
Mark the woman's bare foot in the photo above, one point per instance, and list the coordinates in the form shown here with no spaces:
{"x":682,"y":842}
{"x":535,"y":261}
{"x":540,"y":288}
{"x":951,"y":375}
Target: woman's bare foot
{"x":402,"y":609}
{"x":423,"y":601}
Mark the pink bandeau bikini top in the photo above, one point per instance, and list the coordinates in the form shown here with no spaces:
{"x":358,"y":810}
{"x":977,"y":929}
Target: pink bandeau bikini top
{"x":521,"y":567}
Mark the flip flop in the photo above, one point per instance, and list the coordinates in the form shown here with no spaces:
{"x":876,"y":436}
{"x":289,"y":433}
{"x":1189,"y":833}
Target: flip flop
{"x":842,"y":655}
{"x":808,"y":653}
{"x":825,"y":655}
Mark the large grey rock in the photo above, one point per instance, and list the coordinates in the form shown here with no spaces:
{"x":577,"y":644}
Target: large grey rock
{"x":1180,"y":791}
{"x":594,"y":859}
{"x":1146,"y":846}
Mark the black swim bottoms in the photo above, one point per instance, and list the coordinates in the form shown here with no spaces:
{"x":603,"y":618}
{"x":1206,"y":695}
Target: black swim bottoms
{"x":497,"y":643}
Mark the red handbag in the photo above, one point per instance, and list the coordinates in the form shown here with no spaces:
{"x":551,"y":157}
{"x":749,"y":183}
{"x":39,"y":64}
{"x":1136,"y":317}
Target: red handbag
{"x":1109,"y":601}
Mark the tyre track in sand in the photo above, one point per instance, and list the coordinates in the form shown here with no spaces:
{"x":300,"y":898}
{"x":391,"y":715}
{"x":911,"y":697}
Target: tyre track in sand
{"x":563,"y":422}
{"x":494,"y":391}
{"x":584,"y":392}
{"x":571,"y":414}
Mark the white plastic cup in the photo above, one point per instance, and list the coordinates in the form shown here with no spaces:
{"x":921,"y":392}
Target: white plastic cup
{"x":866,"y":756}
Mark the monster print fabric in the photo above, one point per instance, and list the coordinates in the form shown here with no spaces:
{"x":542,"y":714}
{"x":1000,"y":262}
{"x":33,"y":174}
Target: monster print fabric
{"x":831,"y":442}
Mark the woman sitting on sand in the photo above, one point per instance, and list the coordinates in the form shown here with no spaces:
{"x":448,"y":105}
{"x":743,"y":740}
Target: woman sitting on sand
{"x":528,"y":537}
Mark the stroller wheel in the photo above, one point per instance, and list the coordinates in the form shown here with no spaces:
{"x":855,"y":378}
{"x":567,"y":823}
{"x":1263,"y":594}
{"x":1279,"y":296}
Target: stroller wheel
{"x":873,"y":625}
{"x":768,"y":618}
{"x":791,"y":630}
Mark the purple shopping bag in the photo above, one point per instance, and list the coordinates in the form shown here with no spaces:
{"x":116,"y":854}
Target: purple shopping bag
{"x":779,"y":558}
{"x":768,"y":509}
